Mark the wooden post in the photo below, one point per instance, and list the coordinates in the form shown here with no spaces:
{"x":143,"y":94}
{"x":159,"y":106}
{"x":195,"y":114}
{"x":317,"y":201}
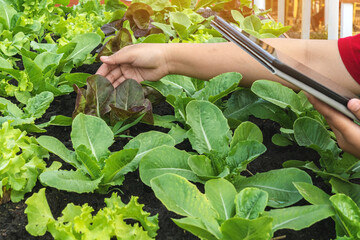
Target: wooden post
{"x":306,"y":18}
{"x":326,"y":13}
{"x":333,"y":19}
{"x":281,"y":11}
{"x":260,"y":4}
{"x":346,"y":22}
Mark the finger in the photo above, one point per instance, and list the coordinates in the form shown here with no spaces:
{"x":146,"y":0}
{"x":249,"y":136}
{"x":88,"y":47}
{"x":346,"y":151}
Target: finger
{"x":118,"y":81}
{"x":354,"y":106}
{"x":338,"y":134}
{"x":104,"y":69}
{"x":120,"y":57}
{"x":113,"y":75}
{"x":334,"y":118}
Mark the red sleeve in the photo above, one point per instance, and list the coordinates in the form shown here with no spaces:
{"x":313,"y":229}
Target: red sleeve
{"x":349,"y":48}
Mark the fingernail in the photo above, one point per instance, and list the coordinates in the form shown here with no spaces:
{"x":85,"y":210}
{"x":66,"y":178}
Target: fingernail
{"x":354,"y":105}
{"x":104,"y":57}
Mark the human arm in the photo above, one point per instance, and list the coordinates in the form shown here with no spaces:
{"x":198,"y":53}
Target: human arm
{"x":204,"y":61}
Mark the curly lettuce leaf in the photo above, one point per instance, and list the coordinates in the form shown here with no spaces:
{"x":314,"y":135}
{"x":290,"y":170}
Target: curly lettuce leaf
{"x":79,"y":222}
{"x":21,"y":161}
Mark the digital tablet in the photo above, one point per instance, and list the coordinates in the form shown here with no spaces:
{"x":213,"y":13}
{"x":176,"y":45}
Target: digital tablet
{"x":288,"y":68}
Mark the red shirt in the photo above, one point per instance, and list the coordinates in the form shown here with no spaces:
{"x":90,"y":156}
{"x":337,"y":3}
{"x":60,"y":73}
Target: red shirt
{"x":349,"y":48}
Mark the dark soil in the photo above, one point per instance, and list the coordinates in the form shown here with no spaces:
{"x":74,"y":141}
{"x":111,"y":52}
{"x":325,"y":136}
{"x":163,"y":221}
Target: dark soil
{"x":13,"y":220}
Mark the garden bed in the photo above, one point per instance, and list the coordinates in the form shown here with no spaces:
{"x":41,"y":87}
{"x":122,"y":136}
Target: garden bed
{"x":13,"y":219}
{"x":217,"y":159}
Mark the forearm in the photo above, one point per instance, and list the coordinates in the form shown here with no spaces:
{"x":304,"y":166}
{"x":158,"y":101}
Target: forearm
{"x":205,"y":61}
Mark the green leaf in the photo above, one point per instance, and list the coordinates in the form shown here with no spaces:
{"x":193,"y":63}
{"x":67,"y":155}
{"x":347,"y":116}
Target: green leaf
{"x":246,"y":131}
{"x":38,"y":213}
{"x":6,"y":14}
{"x":239,"y":228}
{"x":251,"y":203}
{"x":348,"y":213}
{"x":239,"y":104}
{"x":201,"y":166}
{"x":55,"y":146}
{"x":37,"y":105}
{"x":62,"y":2}
{"x":69,"y":181}
{"x":182,"y":197}
{"x":277,"y":94}
{"x":114,"y":165}
{"x":181,"y":23}
{"x":33,"y":71}
{"x":281,"y":190}
{"x":165,"y":159}
{"x":85,"y":43}
{"x":92,"y":132}
{"x":221,"y":195}
{"x":312,"y":194}
{"x":311,"y":133}
{"x":350,"y":189}
{"x":299,"y":217}
{"x":280,"y":140}
{"x":5,"y":64}
{"x":182,"y":3}
{"x":155,"y":38}
{"x":8,"y":108}
{"x":244,"y":103}
{"x":58,"y":120}
{"x":167,"y":29}
{"x":178,"y":133}
{"x":251,"y":22}
{"x":78,"y":78}
{"x":195,"y":226}
{"x":244,"y":152}
{"x":219,"y":86}
{"x":209,"y":128}
{"x":47,"y":59}
{"x":89,"y":164}
{"x":145,"y":142}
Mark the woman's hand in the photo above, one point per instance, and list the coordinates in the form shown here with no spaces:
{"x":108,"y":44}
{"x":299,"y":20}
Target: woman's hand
{"x":347,"y":132}
{"x":139,"y":62}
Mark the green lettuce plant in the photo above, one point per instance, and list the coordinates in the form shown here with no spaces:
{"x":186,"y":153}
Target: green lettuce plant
{"x":85,"y":17}
{"x":33,"y":109}
{"x":260,"y":28}
{"x":347,"y":211}
{"x":96,"y":168}
{"x":48,"y":68}
{"x":311,"y":133}
{"x":222,"y":154}
{"x":165,"y":21}
{"x":180,"y":90}
{"x":21,"y":161}
{"x":209,"y":134}
{"x":223,"y":213}
{"x":79,"y":222}
{"x":270,"y":100}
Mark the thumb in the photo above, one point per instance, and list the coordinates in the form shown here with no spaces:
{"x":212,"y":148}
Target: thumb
{"x":108,"y":59}
{"x":354,"y":106}
{"x":123,"y":56}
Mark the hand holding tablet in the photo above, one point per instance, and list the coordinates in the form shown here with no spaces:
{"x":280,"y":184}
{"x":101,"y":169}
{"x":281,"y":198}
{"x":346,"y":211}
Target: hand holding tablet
{"x":288,"y":68}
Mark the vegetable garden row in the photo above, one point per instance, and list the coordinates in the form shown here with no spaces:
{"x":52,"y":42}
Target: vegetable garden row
{"x":82,"y":160}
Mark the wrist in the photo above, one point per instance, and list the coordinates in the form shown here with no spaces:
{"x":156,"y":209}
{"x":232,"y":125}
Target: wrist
{"x":169,"y":52}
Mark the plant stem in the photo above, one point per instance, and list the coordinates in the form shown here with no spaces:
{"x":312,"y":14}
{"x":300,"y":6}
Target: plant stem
{"x":279,"y":237}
